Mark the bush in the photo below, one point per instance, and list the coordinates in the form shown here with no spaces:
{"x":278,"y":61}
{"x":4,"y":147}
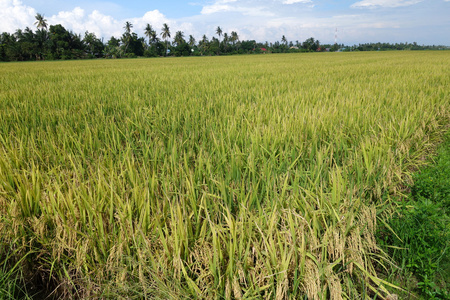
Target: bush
{"x":150,"y":53}
{"x":130,"y":55}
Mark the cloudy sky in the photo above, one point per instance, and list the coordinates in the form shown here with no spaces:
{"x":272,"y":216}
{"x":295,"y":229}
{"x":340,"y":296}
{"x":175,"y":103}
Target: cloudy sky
{"x":357,"y":21}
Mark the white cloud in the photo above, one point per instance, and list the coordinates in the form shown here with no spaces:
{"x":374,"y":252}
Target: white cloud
{"x":246,"y":9}
{"x":262,"y":20}
{"x":106,"y":26}
{"x":260,"y":8}
{"x":384,"y":3}
{"x":298,"y":1}
{"x":14,"y":15}
{"x":216,"y":7}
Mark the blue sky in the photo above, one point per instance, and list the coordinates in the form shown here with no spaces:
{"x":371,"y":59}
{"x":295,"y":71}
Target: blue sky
{"x":357,"y":21}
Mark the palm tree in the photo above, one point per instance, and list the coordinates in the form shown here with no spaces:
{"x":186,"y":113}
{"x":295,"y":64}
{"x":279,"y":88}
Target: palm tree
{"x":128,"y":27}
{"x":284,"y":40}
{"x":89,"y":40}
{"x":149,"y":32}
{"x":179,"y":38}
{"x":234,"y":37}
{"x":127,"y":35}
{"x":203,"y":44}
{"x":165,"y":34}
{"x":40,"y":23}
{"x":191,"y":41}
{"x":219,"y":31}
{"x":18,"y":34}
{"x":225,"y":40}
{"x":154,"y":37}
{"x":28,"y":35}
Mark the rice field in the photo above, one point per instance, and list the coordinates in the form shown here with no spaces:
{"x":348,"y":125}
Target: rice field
{"x":247,"y":177}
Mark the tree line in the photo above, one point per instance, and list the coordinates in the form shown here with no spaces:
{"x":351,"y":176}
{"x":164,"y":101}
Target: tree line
{"x":56,"y":42}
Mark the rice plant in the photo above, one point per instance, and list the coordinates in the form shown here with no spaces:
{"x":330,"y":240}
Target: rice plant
{"x":212,"y":177}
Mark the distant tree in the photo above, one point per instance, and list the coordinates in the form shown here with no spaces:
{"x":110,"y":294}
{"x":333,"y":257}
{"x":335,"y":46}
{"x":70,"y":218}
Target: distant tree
{"x":9,"y":47}
{"x":179,"y":38}
{"x":284,"y":40}
{"x":214,"y":46}
{"x":204,"y":44}
{"x":28,"y":46}
{"x":248,"y":46}
{"x":226,"y":40}
{"x":317,"y":45}
{"x":335,"y":47}
{"x":3,"y":44}
{"x":234,"y":37}
{"x":126,"y":37}
{"x":136,"y":46}
{"x":64,"y":44}
{"x":89,"y":40}
{"x":311,"y":44}
{"x":191,"y":41}
{"x":94,"y":46}
{"x":41,"y":22}
{"x":112,"y":49}
{"x":149,"y":32}
{"x":114,"y":42}
{"x":219,"y":31}
{"x":165,"y":34}
{"x":182,"y":49}
{"x":128,"y":27}
{"x":42,"y":43}
{"x":154,"y":37}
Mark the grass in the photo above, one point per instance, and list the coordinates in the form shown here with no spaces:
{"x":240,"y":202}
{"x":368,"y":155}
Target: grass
{"x":216,"y":177}
{"x":421,"y":247}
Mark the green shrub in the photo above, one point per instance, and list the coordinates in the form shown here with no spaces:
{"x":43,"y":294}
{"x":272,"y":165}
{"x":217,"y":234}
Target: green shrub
{"x":130,"y":55}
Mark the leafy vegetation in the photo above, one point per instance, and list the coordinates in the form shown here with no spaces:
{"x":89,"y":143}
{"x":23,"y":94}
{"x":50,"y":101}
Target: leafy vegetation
{"x":422,"y":229}
{"x":59,"y":43}
{"x":214,"y":177}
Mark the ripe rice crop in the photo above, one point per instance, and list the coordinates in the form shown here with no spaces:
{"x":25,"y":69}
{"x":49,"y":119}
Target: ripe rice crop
{"x":212,"y":177}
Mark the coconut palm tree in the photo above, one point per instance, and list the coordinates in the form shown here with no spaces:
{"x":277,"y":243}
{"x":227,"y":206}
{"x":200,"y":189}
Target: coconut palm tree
{"x":191,"y":41}
{"x":126,"y":38}
{"x":165,"y":34}
{"x":28,"y":35}
{"x":128,"y":27}
{"x":234,"y":37}
{"x":41,"y":22}
{"x":226,"y":39}
{"x":18,"y":34}
{"x":203,"y":44}
{"x":155,"y":38}
{"x":219,"y":31}
{"x":284,"y":40}
{"x":179,"y":38}
{"x":150,"y":33}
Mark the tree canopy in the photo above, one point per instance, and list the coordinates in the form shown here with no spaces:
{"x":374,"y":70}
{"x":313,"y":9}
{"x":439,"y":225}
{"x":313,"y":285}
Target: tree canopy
{"x":56,"y":42}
